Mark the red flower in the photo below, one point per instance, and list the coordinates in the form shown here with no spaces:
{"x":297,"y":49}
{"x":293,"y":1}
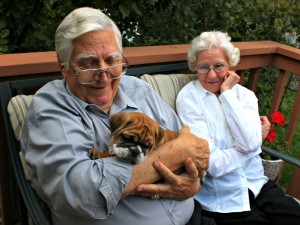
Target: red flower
{"x":277,"y":118}
{"x":271,"y":135}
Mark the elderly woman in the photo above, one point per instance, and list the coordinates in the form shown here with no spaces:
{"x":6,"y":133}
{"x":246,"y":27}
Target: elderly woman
{"x":218,"y":109}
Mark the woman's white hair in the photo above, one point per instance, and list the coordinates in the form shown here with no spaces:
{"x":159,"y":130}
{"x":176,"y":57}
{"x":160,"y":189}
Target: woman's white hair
{"x":206,"y":40}
{"x":78,"y":22}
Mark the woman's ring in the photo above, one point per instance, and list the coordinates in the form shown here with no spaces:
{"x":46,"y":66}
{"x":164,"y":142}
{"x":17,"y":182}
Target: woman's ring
{"x":155,"y":197}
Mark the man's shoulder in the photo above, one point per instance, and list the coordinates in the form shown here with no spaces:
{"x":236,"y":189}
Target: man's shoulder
{"x":52,"y":87}
{"x":52,"y":95}
{"x":132,"y":82}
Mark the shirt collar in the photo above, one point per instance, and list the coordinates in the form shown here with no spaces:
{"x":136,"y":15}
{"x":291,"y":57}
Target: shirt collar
{"x":203,"y":92}
{"x":121,"y":101}
{"x":83,"y":104}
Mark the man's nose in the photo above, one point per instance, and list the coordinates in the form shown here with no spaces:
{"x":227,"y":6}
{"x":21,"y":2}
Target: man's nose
{"x":102,"y":76}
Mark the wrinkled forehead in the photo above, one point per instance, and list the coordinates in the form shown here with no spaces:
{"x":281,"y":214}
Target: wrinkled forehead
{"x":86,"y":56}
{"x":95,"y":44}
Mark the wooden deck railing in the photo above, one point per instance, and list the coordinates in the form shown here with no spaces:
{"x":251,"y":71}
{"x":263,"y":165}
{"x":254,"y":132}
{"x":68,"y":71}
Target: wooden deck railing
{"x":254,"y":55}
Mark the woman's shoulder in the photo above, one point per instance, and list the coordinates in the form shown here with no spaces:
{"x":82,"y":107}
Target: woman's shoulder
{"x":189,"y":87}
{"x":240,"y":89}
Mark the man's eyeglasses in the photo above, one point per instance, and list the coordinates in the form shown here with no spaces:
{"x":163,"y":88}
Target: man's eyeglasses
{"x":90,"y":75}
{"x":218,"y":68}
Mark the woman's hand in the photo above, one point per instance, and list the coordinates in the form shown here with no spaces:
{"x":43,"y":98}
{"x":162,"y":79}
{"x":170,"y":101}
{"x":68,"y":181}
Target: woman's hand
{"x":177,"y":187}
{"x":230,"y":80}
{"x":265,"y":127}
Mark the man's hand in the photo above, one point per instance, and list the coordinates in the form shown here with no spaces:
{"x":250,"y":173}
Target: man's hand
{"x":178,"y":187}
{"x":192,"y":146}
{"x":186,"y":151}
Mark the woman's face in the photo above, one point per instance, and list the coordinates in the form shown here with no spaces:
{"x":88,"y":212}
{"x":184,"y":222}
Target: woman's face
{"x":93,"y":49}
{"x":212,"y":66}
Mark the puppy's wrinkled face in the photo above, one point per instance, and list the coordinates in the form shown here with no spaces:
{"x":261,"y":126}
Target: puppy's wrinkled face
{"x":133,"y":136}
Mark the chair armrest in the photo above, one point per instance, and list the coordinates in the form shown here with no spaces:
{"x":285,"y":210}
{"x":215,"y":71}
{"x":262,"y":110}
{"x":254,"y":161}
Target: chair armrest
{"x":282,"y":156}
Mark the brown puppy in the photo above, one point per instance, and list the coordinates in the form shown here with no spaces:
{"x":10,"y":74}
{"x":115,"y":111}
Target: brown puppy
{"x":133,"y":136}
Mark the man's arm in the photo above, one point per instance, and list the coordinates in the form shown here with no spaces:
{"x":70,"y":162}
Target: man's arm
{"x":173,"y":155}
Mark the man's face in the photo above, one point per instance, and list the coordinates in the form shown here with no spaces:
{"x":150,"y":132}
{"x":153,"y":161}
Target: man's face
{"x":93,"y":50}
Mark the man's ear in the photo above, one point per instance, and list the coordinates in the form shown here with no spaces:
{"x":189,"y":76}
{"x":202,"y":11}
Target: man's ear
{"x":61,"y":67}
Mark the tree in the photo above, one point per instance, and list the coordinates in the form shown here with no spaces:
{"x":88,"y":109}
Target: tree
{"x":28,"y":26}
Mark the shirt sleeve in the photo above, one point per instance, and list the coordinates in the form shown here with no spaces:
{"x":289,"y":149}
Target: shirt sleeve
{"x":241,"y":111}
{"x":56,"y":148}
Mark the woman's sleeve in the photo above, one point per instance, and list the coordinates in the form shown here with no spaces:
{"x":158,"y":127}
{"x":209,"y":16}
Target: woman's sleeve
{"x":241,"y":111}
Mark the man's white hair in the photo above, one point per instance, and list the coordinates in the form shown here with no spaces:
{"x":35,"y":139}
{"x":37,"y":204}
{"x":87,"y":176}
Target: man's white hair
{"x":79,"y":22}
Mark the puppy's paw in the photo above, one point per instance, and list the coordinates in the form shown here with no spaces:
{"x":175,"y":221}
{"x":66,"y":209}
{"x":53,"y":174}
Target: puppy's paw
{"x":94,"y":153}
{"x":129,"y":152}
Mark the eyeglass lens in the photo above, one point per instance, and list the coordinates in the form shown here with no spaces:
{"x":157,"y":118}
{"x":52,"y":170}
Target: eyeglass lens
{"x":90,"y":76}
{"x":218,"y":68}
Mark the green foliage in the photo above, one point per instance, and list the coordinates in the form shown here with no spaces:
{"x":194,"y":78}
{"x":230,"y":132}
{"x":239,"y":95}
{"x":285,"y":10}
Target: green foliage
{"x":27,"y":26}
{"x":279,"y":144}
{"x":264,"y":91}
{"x":295,"y":152}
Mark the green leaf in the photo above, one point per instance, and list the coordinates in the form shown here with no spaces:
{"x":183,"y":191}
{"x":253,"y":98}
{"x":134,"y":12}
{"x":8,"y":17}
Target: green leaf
{"x":4,"y":33}
{"x":47,"y":4}
{"x":136,"y":9}
{"x":2,"y":24}
{"x":125,"y":9}
{"x":3,"y":49}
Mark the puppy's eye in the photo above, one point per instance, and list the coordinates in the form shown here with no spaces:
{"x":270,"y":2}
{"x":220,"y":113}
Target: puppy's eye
{"x":147,"y":144}
{"x":130,"y":138}
{"x":127,"y":137}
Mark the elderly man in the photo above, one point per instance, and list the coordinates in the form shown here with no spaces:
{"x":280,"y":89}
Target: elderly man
{"x":69,"y":116}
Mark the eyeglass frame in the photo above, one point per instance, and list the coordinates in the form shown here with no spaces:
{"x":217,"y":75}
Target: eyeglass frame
{"x":102,"y":70}
{"x":212,"y":68}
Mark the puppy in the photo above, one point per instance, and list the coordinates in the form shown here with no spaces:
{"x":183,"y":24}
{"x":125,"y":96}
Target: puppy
{"x":133,"y":136}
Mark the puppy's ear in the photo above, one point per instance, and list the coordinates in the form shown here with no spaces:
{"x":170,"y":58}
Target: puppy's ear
{"x":118,"y":121}
{"x":159,"y":136}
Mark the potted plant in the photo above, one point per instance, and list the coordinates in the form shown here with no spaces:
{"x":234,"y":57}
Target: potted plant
{"x":276,"y":140}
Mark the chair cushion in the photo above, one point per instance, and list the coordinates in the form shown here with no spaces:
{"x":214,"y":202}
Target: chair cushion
{"x":168,"y":85}
{"x":17,"y":108}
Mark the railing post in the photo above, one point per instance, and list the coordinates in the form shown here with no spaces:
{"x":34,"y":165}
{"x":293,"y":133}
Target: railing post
{"x":253,"y":77}
{"x":295,"y":114}
{"x":241,"y":73}
{"x":279,"y":89}
{"x":293,"y":188}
